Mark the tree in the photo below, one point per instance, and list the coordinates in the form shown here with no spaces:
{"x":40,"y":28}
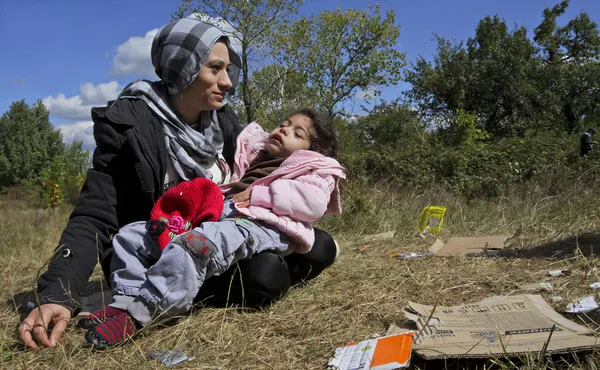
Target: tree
{"x":279,"y":90}
{"x":253,"y":22}
{"x":571,"y":74}
{"x":343,"y":52}
{"x":391,"y":124}
{"x":489,"y":77}
{"x":32,"y":154}
{"x":28,"y":142}
{"x":511,"y":84}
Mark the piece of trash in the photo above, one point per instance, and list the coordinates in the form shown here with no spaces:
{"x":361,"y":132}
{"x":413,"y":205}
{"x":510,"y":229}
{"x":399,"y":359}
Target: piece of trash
{"x":583,"y":305}
{"x":169,"y":358}
{"x":411,"y":255}
{"x":432,"y":219}
{"x":495,"y":326}
{"x":595,"y":285}
{"x":558,"y":273}
{"x":556,"y":299}
{"x":478,"y":246}
{"x":539,"y":287}
{"x":389,"y":352}
{"x":381,"y":236}
{"x":364,"y":248}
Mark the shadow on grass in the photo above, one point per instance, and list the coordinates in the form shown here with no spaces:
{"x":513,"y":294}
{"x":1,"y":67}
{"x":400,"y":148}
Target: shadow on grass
{"x":588,"y":242}
{"x":531,"y":361}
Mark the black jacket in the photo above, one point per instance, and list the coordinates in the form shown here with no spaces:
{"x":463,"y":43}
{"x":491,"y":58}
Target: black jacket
{"x":129,"y":167}
{"x":586,"y":143}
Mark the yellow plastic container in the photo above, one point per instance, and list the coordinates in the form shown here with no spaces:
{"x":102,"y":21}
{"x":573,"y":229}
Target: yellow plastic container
{"x":432,"y":219}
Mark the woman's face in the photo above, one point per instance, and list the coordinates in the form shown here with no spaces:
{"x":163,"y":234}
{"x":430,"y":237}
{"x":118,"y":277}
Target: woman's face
{"x":207,"y":91}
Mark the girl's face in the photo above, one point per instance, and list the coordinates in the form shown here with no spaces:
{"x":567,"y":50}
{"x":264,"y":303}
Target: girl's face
{"x":207,"y":90}
{"x":291,"y":135}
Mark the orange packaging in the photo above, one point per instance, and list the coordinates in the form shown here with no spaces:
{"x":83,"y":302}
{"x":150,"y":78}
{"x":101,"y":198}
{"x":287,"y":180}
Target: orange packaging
{"x":385,"y":353}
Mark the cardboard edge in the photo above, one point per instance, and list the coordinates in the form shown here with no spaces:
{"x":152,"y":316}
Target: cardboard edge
{"x":511,"y":354}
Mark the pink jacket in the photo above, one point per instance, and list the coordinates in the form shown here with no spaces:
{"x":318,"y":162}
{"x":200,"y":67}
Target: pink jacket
{"x":291,"y":198}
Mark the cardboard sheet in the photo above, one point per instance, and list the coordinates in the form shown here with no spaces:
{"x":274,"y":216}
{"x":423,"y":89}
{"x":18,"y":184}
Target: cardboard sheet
{"x":494,"y":327}
{"x":489,"y":245}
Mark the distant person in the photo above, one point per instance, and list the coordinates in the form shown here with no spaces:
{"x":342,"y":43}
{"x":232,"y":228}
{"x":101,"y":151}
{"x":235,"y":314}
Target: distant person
{"x":586,"y":141}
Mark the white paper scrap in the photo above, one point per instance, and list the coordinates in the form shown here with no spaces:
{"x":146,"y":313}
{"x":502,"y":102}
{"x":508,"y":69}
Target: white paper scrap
{"x":583,"y":305}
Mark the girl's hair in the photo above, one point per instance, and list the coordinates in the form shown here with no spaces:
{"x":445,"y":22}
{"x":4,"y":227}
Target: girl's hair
{"x":323,"y":138}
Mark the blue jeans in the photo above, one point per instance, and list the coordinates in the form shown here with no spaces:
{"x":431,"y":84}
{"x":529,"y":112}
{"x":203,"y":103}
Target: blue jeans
{"x":149,"y":283}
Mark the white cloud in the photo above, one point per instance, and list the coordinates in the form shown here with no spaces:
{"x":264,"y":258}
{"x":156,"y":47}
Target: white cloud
{"x":133,"y":57}
{"x":78,"y":131}
{"x":365,"y":94}
{"x":72,"y":108}
{"x":78,"y":106}
{"x":99,"y":94}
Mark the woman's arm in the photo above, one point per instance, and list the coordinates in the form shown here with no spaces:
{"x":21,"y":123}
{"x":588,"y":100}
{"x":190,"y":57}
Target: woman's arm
{"x":91,"y":224}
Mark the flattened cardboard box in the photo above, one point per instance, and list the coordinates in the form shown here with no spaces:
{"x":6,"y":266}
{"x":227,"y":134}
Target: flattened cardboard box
{"x":495,"y":326}
{"x":489,"y":245}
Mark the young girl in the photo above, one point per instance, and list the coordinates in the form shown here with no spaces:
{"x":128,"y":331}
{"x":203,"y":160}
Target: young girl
{"x":281,"y":183}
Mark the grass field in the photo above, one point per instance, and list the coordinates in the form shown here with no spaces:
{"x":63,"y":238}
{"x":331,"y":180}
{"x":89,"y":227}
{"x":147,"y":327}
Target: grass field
{"x":361,"y":295}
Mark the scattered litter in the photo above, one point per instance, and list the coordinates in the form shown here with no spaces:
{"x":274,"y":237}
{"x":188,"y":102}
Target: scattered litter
{"x":411,"y":255}
{"x":384,"y":353}
{"x":495,"y":326}
{"x":364,"y":248}
{"x":583,"y":305}
{"x":595,"y":285}
{"x":557,"y":273}
{"x":478,"y":246}
{"x":170,"y":358}
{"x":556,"y":299}
{"x":432,"y":219}
{"x":381,"y":236}
{"x":539,"y":287}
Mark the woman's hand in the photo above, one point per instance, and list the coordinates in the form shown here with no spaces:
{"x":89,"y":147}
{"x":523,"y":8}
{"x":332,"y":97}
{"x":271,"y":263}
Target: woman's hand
{"x":34,"y":329}
{"x":243,"y":199}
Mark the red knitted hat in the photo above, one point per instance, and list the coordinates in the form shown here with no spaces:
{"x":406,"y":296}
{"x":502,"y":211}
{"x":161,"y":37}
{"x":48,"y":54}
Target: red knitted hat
{"x":184,"y":207}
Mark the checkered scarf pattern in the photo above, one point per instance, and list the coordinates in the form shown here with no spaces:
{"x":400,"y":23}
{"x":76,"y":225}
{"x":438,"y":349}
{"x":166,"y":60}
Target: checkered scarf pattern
{"x":179,"y":50}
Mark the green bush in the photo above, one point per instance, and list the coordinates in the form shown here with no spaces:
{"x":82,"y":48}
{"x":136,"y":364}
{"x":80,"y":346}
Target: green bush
{"x":473,"y":168}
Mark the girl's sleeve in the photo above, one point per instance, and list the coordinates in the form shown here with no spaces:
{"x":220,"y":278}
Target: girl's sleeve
{"x":303,"y":199}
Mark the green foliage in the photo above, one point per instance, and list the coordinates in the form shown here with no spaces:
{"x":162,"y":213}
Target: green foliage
{"x":392,"y":147}
{"x":28,"y":142}
{"x":63,"y":179}
{"x":278,"y":90}
{"x":512,"y":84}
{"x":32,"y":154}
{"x":343,"y":52}
{"x":391,"y":124}
{"x":462,"y":131}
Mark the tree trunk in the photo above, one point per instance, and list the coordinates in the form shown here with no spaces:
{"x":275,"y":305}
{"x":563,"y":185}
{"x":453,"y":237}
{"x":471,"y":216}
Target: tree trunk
{"x":245,"y":84}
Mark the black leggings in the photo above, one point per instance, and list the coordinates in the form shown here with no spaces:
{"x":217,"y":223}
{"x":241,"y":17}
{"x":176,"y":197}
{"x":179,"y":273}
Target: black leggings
{"x":267,"y":276}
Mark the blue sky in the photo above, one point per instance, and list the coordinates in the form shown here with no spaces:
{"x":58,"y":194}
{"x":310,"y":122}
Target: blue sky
{"x":76,"y":54}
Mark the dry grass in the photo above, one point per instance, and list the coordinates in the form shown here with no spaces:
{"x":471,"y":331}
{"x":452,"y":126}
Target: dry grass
{"x":361,"y":295}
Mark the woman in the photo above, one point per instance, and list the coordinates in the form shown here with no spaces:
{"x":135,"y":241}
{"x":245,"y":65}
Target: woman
{"x":155,"y":135}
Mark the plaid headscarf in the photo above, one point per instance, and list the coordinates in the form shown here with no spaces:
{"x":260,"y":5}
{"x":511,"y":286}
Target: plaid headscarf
{"x":179,"y":50}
